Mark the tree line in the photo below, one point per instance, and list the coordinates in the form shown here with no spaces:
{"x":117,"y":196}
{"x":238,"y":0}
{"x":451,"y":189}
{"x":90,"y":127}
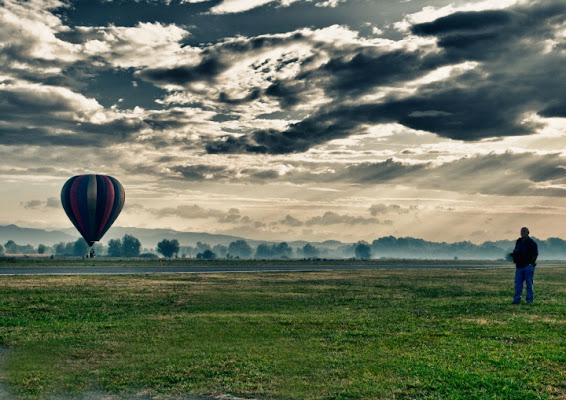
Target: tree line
{"x":130,"y":246}
{"x":385,"y":247}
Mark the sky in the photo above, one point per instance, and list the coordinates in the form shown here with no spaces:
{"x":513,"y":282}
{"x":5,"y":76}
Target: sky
{"x":290,"y":119}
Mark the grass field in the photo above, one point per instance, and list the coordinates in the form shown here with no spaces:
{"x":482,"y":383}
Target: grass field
{"x":125,"y":262}
{"x":409,"y":334}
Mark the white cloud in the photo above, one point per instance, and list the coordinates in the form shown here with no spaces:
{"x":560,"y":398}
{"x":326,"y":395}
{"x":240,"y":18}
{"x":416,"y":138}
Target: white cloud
{"x":146,"y":44}
{"x":30,"y":29}
{"x":58,"y":100}
{"x":238,"y":6}
{"x":329,"y":3}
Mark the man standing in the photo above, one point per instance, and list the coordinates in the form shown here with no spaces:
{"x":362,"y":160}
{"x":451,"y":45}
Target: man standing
{"x":524,"y":256}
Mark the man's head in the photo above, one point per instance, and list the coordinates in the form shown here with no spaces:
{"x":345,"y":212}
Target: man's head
{"x":524,"y":232}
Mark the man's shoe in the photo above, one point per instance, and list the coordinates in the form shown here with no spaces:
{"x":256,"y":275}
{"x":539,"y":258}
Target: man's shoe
{"x":516,"y":302}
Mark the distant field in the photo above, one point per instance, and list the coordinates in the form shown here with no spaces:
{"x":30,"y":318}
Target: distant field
{"x":109,"y":261}
{"x":377,"y":334}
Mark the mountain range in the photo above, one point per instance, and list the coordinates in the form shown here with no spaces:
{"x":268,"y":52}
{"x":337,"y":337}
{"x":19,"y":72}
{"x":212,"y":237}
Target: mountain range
{"x":148,"y":237}
{"x":406,"y":247}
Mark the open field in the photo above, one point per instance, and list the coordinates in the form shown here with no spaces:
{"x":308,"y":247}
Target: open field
{"x":372,"y":334}
{"x":31,"y":261}
{"x":124,"y":262}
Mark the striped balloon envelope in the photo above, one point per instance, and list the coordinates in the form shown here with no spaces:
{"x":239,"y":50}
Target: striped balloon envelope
{"x":92,"y":203}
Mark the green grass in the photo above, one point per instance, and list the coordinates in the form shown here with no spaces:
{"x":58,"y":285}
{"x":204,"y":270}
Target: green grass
{"x":124,"y":262}
{"x":410,"y":334}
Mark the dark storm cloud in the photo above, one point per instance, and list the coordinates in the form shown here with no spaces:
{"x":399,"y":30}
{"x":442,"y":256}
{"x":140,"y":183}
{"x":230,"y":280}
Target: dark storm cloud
{"x":231,"y":144}
{"x":202,"y":172}
{"x":288,"y":93}
{"x":488,"y":35}
{"x":161,"y":123}
{"x":300,"y":136}
{"x":33,"y":102}
{"x":558,"y":109}
{"x":205,"y":71}
{"x":77,"y":134}
{"x":463,"y":21}
{"x":225,"y":98}
{"x":514,"y":77}
{"x":215,"y":60}
{"x":368,"y":68}
{"x":47,"y":115}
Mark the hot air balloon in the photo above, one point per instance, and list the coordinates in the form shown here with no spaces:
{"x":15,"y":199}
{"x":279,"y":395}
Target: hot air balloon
{"x":92,"y":203}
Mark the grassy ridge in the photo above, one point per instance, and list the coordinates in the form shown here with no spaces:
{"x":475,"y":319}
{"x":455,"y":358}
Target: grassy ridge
{"x":426,"y":334}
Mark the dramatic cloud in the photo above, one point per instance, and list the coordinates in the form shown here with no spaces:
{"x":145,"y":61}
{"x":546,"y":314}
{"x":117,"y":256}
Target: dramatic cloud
{"x":513,"y":79}
{"x":236,"y":6}
{"x":282,"y":118}
{"x":239,"y":6}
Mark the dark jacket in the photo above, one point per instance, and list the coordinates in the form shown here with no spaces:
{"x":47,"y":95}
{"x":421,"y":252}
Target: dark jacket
{"x":525,"y":253}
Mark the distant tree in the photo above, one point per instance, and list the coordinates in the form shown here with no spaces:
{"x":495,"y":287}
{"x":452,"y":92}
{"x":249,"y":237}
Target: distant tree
{"x":310,"y":251}
{"x":240,"y":248}
{"x":220,"y":251}
{"x":130,"y":246}
{"x":168,"y":247}
{"x":41,"y":249}
{"x":1,"y":249}
{"x":70,"y":248}
{"x":100,"y":249}
{"x":188,"y":250}
{"x":206,"y":255}
{"x":202,"y":247}
{"x":60,"y":249}
{"x":282,"y":250}
{"x":264,"y":250}
{"x":11,"y":247}
{"x":80,"y":247}
{"x":26,"y":249}
{"x":115,"y":248}
{"x":362,"y":250}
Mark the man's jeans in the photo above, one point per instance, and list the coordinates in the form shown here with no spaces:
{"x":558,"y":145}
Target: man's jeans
{"x":524,"y":274}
